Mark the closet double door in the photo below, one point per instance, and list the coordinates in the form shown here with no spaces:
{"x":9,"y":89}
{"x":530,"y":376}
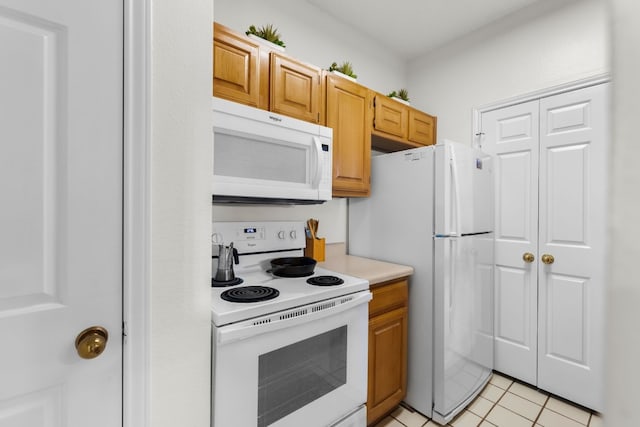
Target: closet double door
{"x":551,"y":197}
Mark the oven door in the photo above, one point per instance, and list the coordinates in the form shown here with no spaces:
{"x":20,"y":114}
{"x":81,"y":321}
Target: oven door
{"x":305,"y":366}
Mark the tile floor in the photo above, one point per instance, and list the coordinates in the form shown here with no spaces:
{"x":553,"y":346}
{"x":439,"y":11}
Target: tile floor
{"x":505,"y":403}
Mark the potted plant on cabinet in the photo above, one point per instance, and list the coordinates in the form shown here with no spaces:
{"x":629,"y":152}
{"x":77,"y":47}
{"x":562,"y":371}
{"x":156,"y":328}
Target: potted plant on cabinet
{"x":267,"y":33}
{"x":345,"y":70}
{"x":402,"y":96}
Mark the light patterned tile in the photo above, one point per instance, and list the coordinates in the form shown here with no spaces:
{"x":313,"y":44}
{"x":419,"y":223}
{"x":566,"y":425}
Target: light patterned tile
{"x":528,"y":393}
{"x":389,"y":422}
{"x":466,"y":419}
{"x":408,"y":418}
{"x":492,"y":393}
{"x":520,"y":406}
{"x":480,"y":406}
{"x":500,"y":381}
{"x":568,"y":410}
{"x":432,"y":424}
{"x":503,"y":417}
{"x":596,"y":421}
{"x":486,"y":423}
{"x":548,"y":418}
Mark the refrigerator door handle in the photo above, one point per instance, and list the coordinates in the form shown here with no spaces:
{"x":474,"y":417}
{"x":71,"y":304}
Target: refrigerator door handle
{"x":455,"y":186}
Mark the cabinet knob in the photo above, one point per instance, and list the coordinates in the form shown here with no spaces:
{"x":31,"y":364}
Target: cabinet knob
{"x":528,"y":257}
{"x":547,"y":259}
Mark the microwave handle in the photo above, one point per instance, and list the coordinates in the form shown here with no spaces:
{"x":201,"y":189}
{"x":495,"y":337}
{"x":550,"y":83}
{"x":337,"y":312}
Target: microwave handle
{"x":318,"y":162}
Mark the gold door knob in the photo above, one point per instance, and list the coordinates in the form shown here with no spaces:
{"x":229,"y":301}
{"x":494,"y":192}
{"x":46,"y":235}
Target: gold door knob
{"x":528,"y":257}
{"x":547,"y":259}
{"x":91,"y":342}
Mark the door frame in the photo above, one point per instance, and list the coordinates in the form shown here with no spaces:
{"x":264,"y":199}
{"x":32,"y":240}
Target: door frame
{"x":476,"y":131}
{"x":136,"y":207}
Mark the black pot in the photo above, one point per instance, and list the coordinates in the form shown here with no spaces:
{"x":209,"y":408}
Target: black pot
{"x":293,"y":266}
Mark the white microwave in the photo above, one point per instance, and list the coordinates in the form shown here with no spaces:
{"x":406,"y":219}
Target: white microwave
{"x":263,"y":157}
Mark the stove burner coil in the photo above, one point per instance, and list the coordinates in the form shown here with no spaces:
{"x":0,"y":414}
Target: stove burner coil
{"x":223,"y":284}
{"x":249,"y":294}
{"x":325,"y":281}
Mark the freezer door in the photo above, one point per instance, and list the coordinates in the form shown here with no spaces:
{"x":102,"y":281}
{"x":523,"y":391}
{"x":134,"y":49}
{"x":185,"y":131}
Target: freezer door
{"x":463,"y":321}
{"x":463,"y":189}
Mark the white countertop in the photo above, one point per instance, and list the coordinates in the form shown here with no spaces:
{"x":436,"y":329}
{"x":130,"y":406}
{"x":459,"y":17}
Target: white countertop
{"x":374,"y":271}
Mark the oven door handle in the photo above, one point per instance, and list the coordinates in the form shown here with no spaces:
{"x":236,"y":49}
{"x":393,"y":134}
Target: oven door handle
{"x":289,"y":318}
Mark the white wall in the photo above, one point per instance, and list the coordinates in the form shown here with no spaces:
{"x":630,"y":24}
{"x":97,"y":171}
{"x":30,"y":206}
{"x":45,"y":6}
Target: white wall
{"x":533,"y":49}
{"x":311,"y":36}
{"x":315,"y":37}
{"x":180,"y":214}
{"x":623,"y":370}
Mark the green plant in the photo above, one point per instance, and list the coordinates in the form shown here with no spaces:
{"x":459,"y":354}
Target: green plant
{"x":267,"y":32}
{"x":345,"y":68}
{"x":402,"y":94}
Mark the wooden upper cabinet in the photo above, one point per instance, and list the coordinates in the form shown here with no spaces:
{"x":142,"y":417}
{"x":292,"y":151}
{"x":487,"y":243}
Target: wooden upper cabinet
{"x":390,"y":116}
{"x":422,"y":128}
{"x":295,"y":88}
{"x":237,"y":69}
{"x":348,"y":114}
{"x":398,"y":126}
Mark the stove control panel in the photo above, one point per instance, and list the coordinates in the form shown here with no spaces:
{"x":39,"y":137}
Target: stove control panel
{"x":259,"y":236}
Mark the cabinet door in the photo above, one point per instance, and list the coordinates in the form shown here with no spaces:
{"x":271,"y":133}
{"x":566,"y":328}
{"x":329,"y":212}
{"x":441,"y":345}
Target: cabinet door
{"x":387,"y":363}
{"x":573,"y":194}
{"x":390,"y":116}
{"x":511,"y":136}
{"x":295,"y":88}
{"x":422,"y":128}
{"x":236,"y":67}
{"x":348,"y":114}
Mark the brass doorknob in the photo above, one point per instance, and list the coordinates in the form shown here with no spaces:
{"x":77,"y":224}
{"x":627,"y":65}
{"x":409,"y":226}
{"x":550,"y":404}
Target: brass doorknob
{"x":91,"y":342}
{"x":547,"y":259}
{"x":528,"y":257}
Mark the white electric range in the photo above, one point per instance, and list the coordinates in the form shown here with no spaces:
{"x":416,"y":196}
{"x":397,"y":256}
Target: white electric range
{"x":298,"y":355}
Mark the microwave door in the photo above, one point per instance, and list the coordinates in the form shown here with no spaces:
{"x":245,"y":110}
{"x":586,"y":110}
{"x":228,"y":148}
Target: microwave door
{"x":250,"y":166}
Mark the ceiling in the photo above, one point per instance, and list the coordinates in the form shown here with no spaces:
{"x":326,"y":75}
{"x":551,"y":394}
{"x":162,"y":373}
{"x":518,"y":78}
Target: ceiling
{"x":414,"y":27}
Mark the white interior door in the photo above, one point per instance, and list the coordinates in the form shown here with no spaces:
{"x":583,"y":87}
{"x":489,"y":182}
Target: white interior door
{"x":511,"y":135}
{"x":573,"y":196}
{"x":61,"y":216}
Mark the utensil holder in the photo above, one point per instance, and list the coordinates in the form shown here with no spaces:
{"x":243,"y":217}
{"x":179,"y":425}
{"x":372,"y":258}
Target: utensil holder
{"x":315,"y":249}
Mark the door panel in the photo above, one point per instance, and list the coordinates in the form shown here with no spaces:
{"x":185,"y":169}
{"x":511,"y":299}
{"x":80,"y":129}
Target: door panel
{"x":573,"y":229}
{"x":511,"y":135}
{"x":61,"y":181}
{"x":566,"y":315}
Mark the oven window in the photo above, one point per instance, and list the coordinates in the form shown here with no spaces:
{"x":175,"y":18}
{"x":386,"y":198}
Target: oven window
{"x":295,"y":375}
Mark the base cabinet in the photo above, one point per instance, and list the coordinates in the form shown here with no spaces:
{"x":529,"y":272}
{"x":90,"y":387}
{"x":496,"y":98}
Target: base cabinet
{"x":387,"y":349}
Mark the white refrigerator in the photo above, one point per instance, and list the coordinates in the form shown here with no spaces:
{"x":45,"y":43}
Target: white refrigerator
{"x":432,"y":208}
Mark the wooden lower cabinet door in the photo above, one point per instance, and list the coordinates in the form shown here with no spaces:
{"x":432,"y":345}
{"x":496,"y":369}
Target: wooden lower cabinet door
{"x":387,"y":363}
